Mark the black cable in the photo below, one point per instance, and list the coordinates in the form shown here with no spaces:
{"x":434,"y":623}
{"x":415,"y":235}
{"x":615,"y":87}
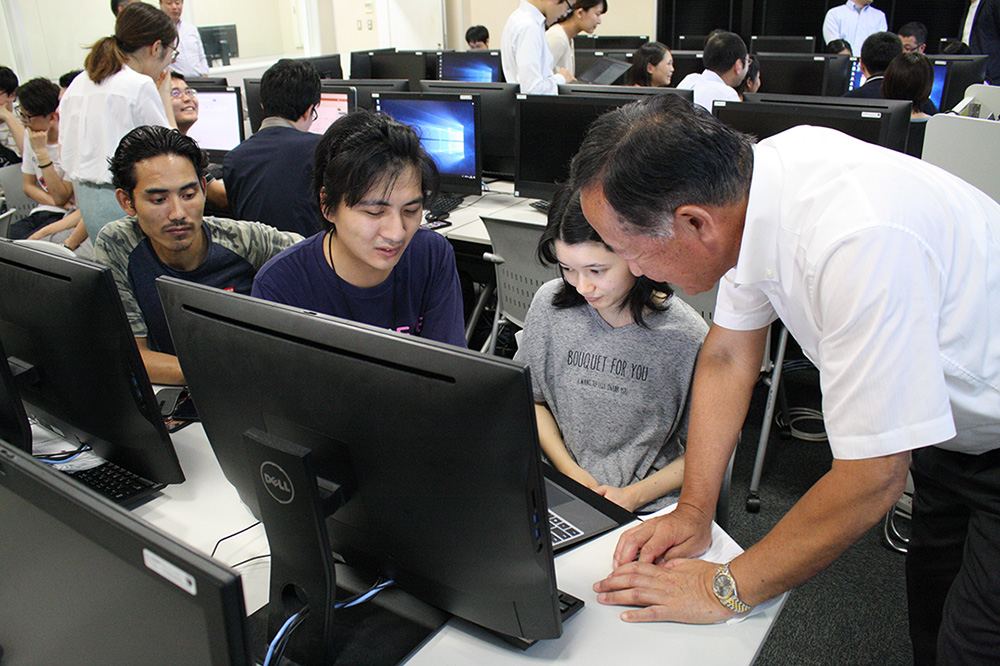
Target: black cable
{"x":219,"y":542}
{"x":250,"y":559}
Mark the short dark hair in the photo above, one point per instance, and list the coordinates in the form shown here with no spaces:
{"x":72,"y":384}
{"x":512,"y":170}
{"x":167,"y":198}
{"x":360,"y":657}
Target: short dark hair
{"x":288,"y":88}
{"x":8,"y":80}
{"x":878,"y":51}
{"x":652,"y":156}
{"x":910,"y":76}
{"x":362,"y":150}
{"x":838,"y":45}
{"x":116,"y":6}
{"x":178,"y":75}
{"x":38,"y":97}
{"x":914,"y":29}
{"x":146,"y":142}
{"x":567,"y":223}
{"x":68,"y":77}
{"x":722,"y":50}
{"x":650,"y":53}
{"x":477,"y":33}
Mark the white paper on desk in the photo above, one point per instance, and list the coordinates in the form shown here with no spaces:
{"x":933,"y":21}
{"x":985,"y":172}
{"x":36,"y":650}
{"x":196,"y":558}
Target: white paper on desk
{"x":44,"y":442}
{"x":723,"y":549}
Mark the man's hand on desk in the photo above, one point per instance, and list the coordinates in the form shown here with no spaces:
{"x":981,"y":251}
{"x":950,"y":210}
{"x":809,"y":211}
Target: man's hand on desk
{"x":678,"y":591}
{"x":684,"y":532}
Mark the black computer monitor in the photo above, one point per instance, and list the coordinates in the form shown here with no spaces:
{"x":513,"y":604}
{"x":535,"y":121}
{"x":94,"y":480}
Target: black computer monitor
{"x":550,"y":129}
{"x":199,"y":82}
{"x":470,"y":66}
{"x":804,"y":73}
{"x":220,"y":42}
{"x":361,"y":62}
{"x":960,"y":72}
{"x":328,"y":66}
{"x":450,"y":127}
{"x":586,"y":58}
{"x":85,"y":582}
{"x":638,"y":92}
{"x":439,"y":443}
{"x":606,"y":71}
{"x":686,"y":62}
{"x":365,"y":88}
{"x":630,"y":42}
{"x":691,"y":42}
{"x":335,"y":101}
{"x":409,"y":65}
{"x":251,"y":91}
{"x":498,"y":111}
{"x":883,"y":122}
{"x":782,"y":44}
{"x":219,"y":127}
{"x":65,"y":332}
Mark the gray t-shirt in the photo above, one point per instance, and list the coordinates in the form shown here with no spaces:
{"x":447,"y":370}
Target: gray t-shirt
{"x":619,"y":395}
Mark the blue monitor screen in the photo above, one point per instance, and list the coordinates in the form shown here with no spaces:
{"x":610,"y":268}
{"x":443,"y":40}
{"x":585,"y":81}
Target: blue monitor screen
{"x":483,"y":67}
{"x":857,"y":76}
{"x":940,"y":72}
{"x":447,"y":130}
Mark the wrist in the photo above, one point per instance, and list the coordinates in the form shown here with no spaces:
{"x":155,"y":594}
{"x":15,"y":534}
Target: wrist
{"x":726,"y":591}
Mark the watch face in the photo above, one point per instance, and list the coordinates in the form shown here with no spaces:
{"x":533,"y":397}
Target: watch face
{"x":723,"y":586}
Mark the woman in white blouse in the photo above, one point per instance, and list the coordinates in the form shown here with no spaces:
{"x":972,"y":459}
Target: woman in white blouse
{"x":127,"y":84}
{"x":585,"y":16}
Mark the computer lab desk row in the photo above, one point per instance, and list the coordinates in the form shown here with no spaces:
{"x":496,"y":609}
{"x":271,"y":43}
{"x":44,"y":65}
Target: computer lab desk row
{"x":206,"y":508}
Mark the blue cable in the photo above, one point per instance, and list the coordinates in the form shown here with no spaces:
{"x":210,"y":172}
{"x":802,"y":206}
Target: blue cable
{"x":281,"y":632}
{"x":58,"y":462}
{"x":350,"y":603}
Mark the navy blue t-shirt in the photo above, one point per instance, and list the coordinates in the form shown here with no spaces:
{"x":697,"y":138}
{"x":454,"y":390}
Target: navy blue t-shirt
{"x":420,"y":297}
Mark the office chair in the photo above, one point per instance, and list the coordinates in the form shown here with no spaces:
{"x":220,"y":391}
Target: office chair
{"x":14,"y":196}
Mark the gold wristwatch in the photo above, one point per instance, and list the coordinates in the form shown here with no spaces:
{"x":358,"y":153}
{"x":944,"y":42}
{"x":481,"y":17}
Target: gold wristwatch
{"x":724,"y":586}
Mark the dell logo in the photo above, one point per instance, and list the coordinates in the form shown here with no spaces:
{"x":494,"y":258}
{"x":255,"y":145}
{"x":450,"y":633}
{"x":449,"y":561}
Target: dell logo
{"x":277,"y":483}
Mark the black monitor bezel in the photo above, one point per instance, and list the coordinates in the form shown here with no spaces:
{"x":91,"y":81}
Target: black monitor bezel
{"x":783,"y":42}
{"x":365,"y":88}
{"x":451,"y":184}
{"x":412,"y":63}
{"x":331,"y":62}
{"x":954,"y":89}
{"x":834,"y":70}
{"x":93,"y":387}
{"x":639,"y":92}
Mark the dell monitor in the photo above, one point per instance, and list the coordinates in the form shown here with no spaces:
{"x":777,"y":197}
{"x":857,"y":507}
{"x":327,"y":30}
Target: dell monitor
{"x":960,"y":72}
{"x":686,"y":62}
{"x":255,"y":112}
{"x":79,"y":372}
{"x":550,"y":130}
{"x":470,"y":66}
{"x":334,"y":102}
{"x":782,"y":44}
{"x":220,"y":42}
{"x":365,"y":88}
{"x":637,"y":92}
{"x":85,"y":582}
{"x":409,"y":65}
{"x":361,"y":62}
{"x":803,"y":73}
{"x":879,"y":121}
{"x":219,"y":127}
{"x":449,"y":127}
{"x":691,"y":42}
{"x":446,"y":498}
{"x":328,"y":66}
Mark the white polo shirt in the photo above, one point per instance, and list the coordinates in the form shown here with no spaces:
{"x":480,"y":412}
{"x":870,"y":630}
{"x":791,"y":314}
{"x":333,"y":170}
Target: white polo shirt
{"x":886,"y":270}
{"x":708,"y":87}
{"x":525,"y":54}
{"x":853,"y":23}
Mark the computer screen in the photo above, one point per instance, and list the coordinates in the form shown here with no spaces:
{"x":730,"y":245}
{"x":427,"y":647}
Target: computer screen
{"x":498,"y":111}
{"x":782,"y":44}
{"x":219,"y":128}
{"x":550,"y":130}
{"x":880,"y":121}
{"x":638,"y":92}
{"x":328,"y":66}
{"x":409,"y":65}
{"x":63,"y":325}
{"x":584,"y":59}
{"x":857,"y":77}
{"x":686,"y":62}
{"x":449,"y":127}
{"x":365,"y":88}
{"x":335,"y":101}
{"x":962,"y":72}
{"x":87,"y":583}
{"x":606,"y":71}
{"x":220,"y":42}
{"x":449,"y":497}
{"x":803,"y":73}
{"x":940,"y":76}
{"x":471,"y":66}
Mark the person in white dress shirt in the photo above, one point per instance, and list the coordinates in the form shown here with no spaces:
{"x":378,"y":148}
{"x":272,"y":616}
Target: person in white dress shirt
{"x":584,"y":17}
{"x":191,"y":60}
{"x":524,"y":53}
{"x":726,"y":65}
{"x":853,"y":21}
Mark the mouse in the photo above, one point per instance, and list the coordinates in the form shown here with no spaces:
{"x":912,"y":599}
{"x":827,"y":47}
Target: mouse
{"x":433,"y":216}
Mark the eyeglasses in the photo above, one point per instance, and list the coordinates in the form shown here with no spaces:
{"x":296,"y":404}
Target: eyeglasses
{"x":314,"y":115}
{"x":26,"y":118}
{"x":173,"y":58}
{"x":911,"y":48}
{"x":177,"y":93}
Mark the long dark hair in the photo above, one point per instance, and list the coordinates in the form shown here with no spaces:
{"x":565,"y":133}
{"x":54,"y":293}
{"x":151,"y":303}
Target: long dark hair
{"x":138,"y":25}
{"x":567,"y":223}
{"x":650,"y":53}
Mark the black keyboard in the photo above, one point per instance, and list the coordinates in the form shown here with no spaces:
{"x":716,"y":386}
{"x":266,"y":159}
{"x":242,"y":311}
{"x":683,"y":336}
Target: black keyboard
{"x":116,"y":483}
{"x":445,"y":204}
{"x":540,"y":204}
{"x":568,"y":607}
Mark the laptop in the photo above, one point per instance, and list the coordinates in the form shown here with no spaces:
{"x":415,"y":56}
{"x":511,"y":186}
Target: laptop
{"x":605,"y":72}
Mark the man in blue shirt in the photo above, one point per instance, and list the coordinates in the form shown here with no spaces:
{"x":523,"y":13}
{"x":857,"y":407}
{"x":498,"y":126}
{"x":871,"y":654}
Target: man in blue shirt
{"x":853,"y":21}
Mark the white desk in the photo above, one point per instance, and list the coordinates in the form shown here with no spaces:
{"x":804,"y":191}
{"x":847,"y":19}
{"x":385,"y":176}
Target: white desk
{"x":474,"y":231}
{"x":206,"y":508}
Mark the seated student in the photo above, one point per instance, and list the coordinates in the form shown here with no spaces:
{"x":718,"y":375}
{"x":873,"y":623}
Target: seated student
{"x":910,"y":76}
{"x":652,"y":66}
{"x":267,"y":176}
{"x":478,"y":38}
{"x":611,"y":358}
{"x":41,"y":170}
{"x":839,"y":47}
{"x":726,"y":62}
{"x":876,"y":54}
{"x":585,"y":16}
{"x":159,"y":179}
{"x":11,"y":132}
{"x":751,"y":82}
{"x":373,"y":263}
{"x":185,"y":103}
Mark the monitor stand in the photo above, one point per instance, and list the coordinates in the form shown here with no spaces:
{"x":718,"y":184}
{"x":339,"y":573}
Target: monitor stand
{"x":385,"y":630}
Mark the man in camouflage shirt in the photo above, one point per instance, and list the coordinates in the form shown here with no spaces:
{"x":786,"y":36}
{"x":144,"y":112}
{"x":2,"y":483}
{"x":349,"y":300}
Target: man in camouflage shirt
{"x":159,"y":178}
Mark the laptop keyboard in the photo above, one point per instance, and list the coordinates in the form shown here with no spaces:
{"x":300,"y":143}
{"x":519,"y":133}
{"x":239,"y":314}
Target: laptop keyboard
{"x":560,"y":529}
{"x":116,"y":483}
